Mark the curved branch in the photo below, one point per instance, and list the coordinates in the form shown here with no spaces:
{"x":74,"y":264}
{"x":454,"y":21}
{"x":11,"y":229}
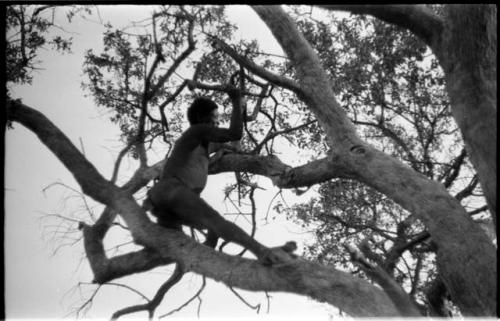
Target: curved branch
{"x":418,"y":19}
{"x":118,"y":161}
{"x":178,"y":61}
{"x":391,"y":287}
{"x":272,"y":135}
{"x":196,"y":295}
{"x":91,"y":181}
{"x":397,"y":140}
{"x":153,"y":304}
{"x":107,"y":269}
{"x":258,"y":70}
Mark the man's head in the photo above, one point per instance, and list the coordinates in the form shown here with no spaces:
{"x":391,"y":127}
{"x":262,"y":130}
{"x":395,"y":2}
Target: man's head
{"x":203,"y":110}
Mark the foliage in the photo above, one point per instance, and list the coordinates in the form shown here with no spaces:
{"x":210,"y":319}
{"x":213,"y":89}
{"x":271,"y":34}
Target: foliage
{"x":27,"y":31}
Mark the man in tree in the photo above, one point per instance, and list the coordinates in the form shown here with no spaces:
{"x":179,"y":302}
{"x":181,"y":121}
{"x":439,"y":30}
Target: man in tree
{"x":175,"y":200}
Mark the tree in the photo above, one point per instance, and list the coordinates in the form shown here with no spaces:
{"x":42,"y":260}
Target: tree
{"x":140,"y":91}
{"x":398,"y":100}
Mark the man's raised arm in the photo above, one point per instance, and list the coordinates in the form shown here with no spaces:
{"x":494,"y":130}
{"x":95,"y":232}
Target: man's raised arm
{"x":236,"y":126}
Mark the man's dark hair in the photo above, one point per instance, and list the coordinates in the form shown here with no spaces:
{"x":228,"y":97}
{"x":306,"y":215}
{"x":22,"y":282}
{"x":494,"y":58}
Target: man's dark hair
{"x":200,"y":109}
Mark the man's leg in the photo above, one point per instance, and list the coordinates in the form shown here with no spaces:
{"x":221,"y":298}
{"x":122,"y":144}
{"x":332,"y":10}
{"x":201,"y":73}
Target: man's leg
{"x":211,"y":239}
{"x":194,"y":211}
{"x":188,"y":207}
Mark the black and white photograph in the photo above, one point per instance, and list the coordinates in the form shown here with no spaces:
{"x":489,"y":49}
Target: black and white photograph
{"x":250,"y":162}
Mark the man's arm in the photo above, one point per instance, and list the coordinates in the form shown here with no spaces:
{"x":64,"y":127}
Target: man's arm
{"x":204,"y":132}
{"x":236,"y":126}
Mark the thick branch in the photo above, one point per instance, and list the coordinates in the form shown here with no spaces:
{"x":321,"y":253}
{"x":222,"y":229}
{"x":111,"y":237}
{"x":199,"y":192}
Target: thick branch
{"x":87,"y":176}
{"x":281,"y":174}
{"x":105,"y":269}
{"x":401,"y":299}
{"x":355,"y":296}
{"x":315,"y":84}
{"x":418,"y":19}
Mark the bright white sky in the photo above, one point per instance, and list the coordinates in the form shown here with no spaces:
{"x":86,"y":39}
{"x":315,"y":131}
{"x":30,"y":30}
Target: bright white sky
{"x":42,"y":285}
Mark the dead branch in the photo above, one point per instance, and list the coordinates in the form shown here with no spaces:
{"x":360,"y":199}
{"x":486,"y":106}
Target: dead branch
{"x":196,"y":295}
{"x":152,"y":304}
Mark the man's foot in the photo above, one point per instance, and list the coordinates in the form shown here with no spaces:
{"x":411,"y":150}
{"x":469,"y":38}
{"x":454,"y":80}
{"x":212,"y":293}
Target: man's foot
{"x":279,"y":255}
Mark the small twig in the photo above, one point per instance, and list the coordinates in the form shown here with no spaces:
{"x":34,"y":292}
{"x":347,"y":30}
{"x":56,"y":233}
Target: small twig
{"x":152,"y":304}
{"x":256,"y":307}
{"x":197,"y":295}
{"x":128,"y":288}
{"x":254,"y":211}
{"x":118,"y":161}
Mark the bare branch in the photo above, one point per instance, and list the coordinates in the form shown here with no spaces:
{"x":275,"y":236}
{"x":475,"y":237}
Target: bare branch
{"x":118,"y":161}
{"x":196,"y":295}
{"x":178,"y":61}
{"x":259,"y":71}
{"x":467,"y":191}
{"x":151,"y":305}
{"x":451,"y":173}
{"x":389,"y":133}
{"x":253,"y":307}
{"x":281,"y":132}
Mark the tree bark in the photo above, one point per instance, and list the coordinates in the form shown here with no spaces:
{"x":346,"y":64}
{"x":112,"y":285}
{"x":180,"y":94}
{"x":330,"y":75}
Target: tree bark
{"x":470,"y":65}
{"x":465,"y":257}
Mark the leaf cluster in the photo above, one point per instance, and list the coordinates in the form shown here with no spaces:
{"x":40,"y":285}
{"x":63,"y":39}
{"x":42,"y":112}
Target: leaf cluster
{"x":27,"y":31}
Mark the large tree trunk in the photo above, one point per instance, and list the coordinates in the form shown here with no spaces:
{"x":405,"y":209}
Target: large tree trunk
{"x":469,"y":59}
{"x":466,"y":257}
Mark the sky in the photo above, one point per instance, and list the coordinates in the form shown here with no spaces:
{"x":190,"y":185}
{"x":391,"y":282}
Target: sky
{"x":41,"y":284}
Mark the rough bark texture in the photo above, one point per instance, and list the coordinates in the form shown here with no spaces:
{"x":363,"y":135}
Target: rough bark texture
{"x":465,"y":257}
{"x":353,"y":295}
{"x":470,"y":65}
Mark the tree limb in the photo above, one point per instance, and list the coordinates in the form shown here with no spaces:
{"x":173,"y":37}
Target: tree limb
{"x":401,"y":299}
{"x":282,"y":175}
{"x":256,"y":69}
{"x":418,"y":19}
{"x":151,"y":306}
{"x":87,"y":176}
